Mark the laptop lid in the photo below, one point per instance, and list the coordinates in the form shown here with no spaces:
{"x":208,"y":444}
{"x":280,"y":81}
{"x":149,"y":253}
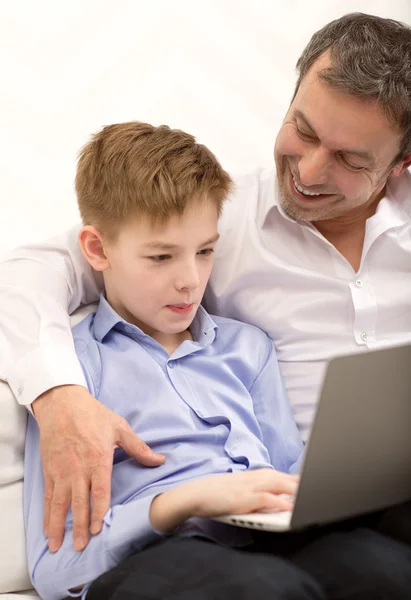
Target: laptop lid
{"x":358,"y":458}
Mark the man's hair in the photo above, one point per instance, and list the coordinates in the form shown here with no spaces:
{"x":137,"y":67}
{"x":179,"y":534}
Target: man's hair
{"x":135,"y":169}
{"x":370,"y":59}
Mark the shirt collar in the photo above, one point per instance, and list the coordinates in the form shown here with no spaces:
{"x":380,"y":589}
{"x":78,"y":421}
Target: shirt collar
{"x":203,"y":328}
{"x":106,"y":319}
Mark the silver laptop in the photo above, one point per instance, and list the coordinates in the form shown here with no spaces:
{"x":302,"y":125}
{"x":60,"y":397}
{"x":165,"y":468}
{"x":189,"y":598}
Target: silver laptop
{"x":358,"y":458}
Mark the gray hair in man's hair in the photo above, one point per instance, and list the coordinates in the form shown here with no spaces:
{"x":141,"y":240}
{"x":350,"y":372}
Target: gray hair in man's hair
{"x":370,"y":59}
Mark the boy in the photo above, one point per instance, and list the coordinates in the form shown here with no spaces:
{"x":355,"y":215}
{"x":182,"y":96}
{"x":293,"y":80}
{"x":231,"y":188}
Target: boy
{"x":204,"y":392}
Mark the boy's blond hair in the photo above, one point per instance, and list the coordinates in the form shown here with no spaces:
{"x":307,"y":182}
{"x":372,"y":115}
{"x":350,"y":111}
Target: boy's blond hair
{"x":132,"y":169}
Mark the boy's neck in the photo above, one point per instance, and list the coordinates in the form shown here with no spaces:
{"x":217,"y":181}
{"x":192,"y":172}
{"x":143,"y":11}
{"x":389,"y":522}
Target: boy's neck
{"x":171,"y":342}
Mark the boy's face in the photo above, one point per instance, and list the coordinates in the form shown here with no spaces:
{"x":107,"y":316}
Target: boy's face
{"x":157,"y":274}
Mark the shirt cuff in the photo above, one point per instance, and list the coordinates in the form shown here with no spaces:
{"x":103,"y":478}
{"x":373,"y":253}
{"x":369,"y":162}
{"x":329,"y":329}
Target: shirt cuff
{"x":130,"y":528}
{"x":42,"y":370}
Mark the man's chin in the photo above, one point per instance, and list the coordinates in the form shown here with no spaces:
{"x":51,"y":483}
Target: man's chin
{"x":297,"y":213}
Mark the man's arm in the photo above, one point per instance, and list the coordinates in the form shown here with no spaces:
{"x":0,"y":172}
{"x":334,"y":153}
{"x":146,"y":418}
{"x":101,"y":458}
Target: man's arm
{"x":272,"y":409}
{"x":39,"y":285}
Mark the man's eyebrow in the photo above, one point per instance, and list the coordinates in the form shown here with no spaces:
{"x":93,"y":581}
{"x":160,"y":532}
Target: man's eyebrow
{"x":354,"y":151}
{"x":159,"y":245}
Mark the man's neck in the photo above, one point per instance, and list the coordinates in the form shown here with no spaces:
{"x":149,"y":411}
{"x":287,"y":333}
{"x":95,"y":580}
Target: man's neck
{"x":347,"y":233}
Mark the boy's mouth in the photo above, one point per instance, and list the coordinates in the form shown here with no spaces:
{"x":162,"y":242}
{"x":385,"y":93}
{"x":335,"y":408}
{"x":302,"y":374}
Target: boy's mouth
{"x":181,"y":309}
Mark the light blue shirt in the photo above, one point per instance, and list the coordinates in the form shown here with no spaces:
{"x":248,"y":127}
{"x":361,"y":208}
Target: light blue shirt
{"x":216,"y":405}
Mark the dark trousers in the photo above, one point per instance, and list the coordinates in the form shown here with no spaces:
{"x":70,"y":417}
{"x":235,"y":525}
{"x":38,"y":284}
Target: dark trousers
{"x":353,"y":560}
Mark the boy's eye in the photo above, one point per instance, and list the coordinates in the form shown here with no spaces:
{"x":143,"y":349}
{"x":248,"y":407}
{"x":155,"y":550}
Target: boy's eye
{"x":160,"y":257}
{"x":206,"y":252}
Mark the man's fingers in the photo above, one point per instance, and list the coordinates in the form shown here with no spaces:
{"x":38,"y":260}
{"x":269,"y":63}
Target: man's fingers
{"x":138,"y":449}
{"x":100,"y":497}
{"x":48,"y":494}
{"x":80,"y":506}
{"x":59,"y":506}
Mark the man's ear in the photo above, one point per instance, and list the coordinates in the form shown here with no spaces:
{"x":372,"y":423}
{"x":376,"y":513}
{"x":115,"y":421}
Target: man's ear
{"x":402,"y":166}
{"x":91,"y":244}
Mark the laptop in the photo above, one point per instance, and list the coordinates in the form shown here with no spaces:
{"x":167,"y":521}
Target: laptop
{"x":358,"y":458}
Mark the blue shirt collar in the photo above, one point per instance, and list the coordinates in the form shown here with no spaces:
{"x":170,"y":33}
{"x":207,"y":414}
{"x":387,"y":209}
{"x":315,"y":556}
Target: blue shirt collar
{"x":203,"y":328}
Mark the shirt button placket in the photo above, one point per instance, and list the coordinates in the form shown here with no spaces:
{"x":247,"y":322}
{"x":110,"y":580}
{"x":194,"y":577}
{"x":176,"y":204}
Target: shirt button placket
{"x":364,"y":311}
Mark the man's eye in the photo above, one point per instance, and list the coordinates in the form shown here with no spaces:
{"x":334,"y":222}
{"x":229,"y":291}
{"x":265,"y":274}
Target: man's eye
{"x":302,"y":135}
{"x":160,"y":257}
{"x":206,"y":252}
{"x":350,"y":165}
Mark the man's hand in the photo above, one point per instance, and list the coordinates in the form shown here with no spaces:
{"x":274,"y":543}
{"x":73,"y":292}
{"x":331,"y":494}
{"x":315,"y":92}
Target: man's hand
{"x":78,"y":436}
{"x":218,"y":495}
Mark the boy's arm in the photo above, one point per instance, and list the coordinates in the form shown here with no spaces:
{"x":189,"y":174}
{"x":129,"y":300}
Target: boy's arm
{"x":126,"y":529}
{"x":272,"y":409}
{"x":39,"y":285}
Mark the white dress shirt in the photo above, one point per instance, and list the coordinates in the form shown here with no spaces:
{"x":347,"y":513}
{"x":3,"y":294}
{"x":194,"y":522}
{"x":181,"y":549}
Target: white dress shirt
{"x":270,"y":271}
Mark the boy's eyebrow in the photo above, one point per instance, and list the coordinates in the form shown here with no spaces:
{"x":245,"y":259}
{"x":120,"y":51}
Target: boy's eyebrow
{"x":159,"y":245}
{"x":361,"y":153}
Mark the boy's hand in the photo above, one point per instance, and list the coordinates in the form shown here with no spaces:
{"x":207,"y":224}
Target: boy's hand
{"x":78,"y":436}
{"x":218,"y":495}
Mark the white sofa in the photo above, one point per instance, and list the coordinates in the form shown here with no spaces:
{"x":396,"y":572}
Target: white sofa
{"x":14,"y":578}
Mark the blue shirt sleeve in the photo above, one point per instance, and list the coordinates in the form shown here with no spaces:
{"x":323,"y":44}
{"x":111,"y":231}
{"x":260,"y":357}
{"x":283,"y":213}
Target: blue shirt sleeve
{"x":273,"y":412}
{"x":126,"y":530}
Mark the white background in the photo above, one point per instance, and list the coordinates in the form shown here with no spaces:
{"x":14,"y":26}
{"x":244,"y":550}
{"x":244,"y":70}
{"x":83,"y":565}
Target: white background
{"x":223,"y":70}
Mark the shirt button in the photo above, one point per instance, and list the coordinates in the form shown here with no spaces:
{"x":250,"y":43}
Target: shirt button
{"x":170,"y":364}
{"x":364,"y":337}
{"x":20,"y":391}
{"x":359,"y":283}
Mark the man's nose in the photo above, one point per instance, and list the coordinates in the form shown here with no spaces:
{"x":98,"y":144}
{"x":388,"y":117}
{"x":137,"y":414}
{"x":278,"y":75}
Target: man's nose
{"x":313,"y":167}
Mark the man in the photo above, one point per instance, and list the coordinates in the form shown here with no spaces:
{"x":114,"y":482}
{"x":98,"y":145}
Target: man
{"x":318,"y":255}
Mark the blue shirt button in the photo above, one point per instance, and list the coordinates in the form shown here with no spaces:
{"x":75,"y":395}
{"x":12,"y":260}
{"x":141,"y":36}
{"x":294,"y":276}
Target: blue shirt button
{"x":171,"y":364}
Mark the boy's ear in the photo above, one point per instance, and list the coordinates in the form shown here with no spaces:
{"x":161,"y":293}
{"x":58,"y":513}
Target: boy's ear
{"x":402,"y":165}
{"x":91,"y":244}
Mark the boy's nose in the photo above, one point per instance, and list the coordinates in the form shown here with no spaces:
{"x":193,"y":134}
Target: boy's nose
{"x":189,"y":279}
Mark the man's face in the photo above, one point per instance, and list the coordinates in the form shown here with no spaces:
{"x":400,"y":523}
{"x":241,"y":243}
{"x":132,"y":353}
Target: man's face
{"x":157,"y":274}
{"x":334,"y":145}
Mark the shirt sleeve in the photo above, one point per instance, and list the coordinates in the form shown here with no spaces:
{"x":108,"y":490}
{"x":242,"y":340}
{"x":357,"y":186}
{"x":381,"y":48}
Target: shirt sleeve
{"x":126,"y":530}
{"x":273,"y":412}
{"x":40,"y":285}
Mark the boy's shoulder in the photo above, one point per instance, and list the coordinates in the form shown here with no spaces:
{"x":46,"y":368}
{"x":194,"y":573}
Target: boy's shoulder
{"x":230,"y":329}
{"x":86,"y":347}
{"x":83,"y":334}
